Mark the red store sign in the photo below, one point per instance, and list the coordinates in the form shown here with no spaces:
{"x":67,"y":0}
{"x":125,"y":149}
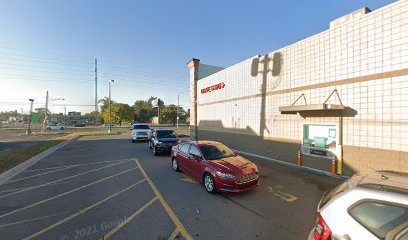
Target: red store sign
{"x":213,"y":88}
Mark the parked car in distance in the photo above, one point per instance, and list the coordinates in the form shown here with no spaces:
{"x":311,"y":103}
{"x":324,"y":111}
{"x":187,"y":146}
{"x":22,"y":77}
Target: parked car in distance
{"x":162,"y":140}
{"x":370,"y":206}
{"x":140,"y":132}
{"x":55,"y":127}
{"x":216,"y":166}
{"x":79,"y":125}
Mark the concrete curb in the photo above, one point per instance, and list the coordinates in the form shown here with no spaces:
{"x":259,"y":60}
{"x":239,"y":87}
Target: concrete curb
{"x":4,"y":177}
{"x":307,"y":169}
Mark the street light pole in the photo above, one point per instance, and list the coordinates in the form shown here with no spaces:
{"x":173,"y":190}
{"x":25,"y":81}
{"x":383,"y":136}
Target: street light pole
{"x":65,"y":114}
{"x":110,"y":123}
{"x":31,"y":114}
{"x":46,"y":113}
{"x":178,"y":106}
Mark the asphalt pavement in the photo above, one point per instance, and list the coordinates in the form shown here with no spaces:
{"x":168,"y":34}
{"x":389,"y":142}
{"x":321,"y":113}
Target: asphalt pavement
{"x":105,"y":187}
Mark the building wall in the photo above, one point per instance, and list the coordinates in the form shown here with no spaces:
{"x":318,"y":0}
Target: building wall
{"x":365,"y":59}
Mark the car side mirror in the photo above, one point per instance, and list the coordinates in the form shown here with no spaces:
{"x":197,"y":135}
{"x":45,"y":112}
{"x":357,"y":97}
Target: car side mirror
{"x":197,"y":158}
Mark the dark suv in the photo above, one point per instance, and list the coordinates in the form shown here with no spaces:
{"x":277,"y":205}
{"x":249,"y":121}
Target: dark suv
{"x":162,"y":140}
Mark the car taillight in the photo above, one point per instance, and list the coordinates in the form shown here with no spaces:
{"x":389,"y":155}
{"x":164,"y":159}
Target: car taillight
{"x":322,"y":231}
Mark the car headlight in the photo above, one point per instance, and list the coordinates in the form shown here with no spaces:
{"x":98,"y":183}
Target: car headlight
{"x":224,"y":175}
{"x":159,"y":143}
{"x":256,"y":168}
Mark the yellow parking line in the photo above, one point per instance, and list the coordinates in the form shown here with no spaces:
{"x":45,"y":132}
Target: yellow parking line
{"x":282,"y":195}
{"x":74,"y":156}
{"x":170,"y":212}
{"x":17,"y":189}
{"x":174,"y":234}
{"x":117,"y":228}
{"x":77,"y":165}
{"x":188,"y":179}
{"x":30,"y":220}
{"x":65,"y":193}
{"x":81,"y":211}
{"x":36,"y":175}
{"x":286,"y":196}
{"x":62,"y":179}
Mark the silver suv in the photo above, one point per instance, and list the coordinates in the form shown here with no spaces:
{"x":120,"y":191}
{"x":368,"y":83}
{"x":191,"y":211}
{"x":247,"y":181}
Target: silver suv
{"x":140,"y":131}
{"x":365,"y":207}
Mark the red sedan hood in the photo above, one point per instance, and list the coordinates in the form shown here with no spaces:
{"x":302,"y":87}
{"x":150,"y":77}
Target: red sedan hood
{"x":233,"y":164}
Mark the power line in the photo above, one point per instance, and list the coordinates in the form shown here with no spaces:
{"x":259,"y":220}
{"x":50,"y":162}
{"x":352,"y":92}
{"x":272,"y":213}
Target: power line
{"x":58,"y":63}
{"x":139,"y":66}
{"x":34,"y":57}
{"x":132,"y":71}
{"x":147,"y":81}
{"x":18,"y":70}
{"x":133,"y":74}
{"x":41,"y":79}
{"x":31,"y":66}
{"x":36,"y":52}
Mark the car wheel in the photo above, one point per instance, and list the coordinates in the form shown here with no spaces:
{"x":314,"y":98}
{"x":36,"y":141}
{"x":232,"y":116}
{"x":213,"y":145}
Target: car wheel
{"x":209,"y":183}
{"x":48,"y":128}
{"x":150,"y":144}
{"x":133,"y":141}
{"x":155,"y":153}
{"x":62,"y":128}
{"x":174,"y":164}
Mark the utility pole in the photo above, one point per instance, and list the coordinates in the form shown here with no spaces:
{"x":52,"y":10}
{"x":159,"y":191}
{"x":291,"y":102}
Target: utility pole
{"x":96,"y":91}
{"x":46,"y":113}
{"x":178,"y":106}
{"x":31,"y":114}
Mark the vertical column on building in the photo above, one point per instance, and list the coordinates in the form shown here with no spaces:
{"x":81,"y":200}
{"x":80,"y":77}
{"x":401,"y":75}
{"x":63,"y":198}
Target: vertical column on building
{"x":193,"y":65}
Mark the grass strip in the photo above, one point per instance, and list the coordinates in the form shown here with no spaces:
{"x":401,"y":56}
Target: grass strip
{"x":10,"y":159}
{"x":80,"y":134}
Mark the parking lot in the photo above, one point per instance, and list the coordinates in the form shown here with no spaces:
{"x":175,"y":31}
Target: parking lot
{"x":105,"y":187}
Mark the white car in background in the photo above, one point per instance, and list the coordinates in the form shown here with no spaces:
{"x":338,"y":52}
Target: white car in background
{"x":365,"y":207}
{"x":140,"y":132}
{"x":55,"y":127}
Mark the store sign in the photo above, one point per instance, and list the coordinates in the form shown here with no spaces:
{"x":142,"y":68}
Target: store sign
{"x":213,"y":88}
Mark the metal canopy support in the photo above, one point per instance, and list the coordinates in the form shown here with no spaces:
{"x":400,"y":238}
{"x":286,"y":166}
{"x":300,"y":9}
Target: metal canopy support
{"x":304,"y":98}
{"x":294,"y":109}
{"x":331,"y":94}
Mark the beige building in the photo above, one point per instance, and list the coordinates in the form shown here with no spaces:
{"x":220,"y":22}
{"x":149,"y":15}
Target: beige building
{"x":342,"y":93}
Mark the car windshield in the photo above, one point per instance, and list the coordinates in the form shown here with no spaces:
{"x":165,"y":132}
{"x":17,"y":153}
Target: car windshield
{"x":166,"y":134}
{"x":141,"y":127}
{"x":218,"y":151}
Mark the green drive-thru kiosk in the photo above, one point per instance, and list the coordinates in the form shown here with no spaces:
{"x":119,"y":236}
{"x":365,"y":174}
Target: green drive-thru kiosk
{"x":323,"y":140}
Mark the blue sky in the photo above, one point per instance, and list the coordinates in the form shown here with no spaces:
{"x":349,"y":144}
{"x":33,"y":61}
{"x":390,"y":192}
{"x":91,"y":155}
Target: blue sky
{"x":143,"y":45}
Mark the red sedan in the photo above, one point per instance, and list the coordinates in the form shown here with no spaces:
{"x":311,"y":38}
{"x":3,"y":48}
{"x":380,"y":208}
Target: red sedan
{"x":215,"y":165}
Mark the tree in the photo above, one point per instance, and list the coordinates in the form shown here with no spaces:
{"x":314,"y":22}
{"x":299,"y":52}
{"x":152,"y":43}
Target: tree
{"x":105,"y":103}
{"x":144,"y":111}
{"x":169,"y":114}
{"x":94,"y":114}
{"x":120,"y":112}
